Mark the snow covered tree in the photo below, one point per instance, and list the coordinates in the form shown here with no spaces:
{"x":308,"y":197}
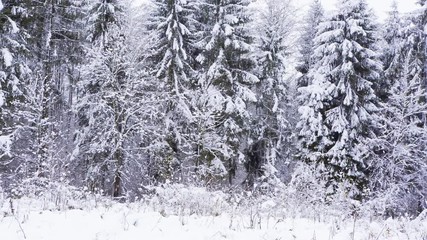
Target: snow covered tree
{"x":416,"y":44}
{"x":391,"y":56}
{"x":170,"y":61}
{"x":53,"y":51}
{"x":8,"y":81}
{"x":398,"y":170}
{"x":41,"y":37}
{"x":103,"y":14}
{"x":338,"y":113}
{"x":15,"y":95}
{"x":105,"y":107}
{"x":226,"y":85}
{"x":312,"y":20}
{"x":268,"y":116}
{"x":393,"y":36}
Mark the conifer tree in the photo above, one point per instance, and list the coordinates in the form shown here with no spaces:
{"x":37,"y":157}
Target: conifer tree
{"x":103,"y":106}
{"x":171,"y":62}
{"x":16,"y":104}
{"x":269,"y":120}
{"x":42,"y":33}
{"x":226,"y":85}
{"x":391,"y":54}
{"x":416,"y":47}
{"x":398,"y":169}
{"x":311,"y":23}
{"x":54,"y":45}
{"x":338,"y":113}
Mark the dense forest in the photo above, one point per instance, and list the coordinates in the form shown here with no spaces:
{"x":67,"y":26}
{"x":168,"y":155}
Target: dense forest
{"x":109,"y":98}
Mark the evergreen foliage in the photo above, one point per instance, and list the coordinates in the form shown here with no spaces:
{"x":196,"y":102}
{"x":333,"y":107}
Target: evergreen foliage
{"x":270,"y":135}
{"x":111,"y":97}
{"x":397,"y":171}
{"x":338,"y":114}
{"x":104,"y":108}
{"x":311,"y":23}
{"x":392,"y":56}
{"x":226,"y":86}
{"x":172,"y":65}
{"x":15,"y":94}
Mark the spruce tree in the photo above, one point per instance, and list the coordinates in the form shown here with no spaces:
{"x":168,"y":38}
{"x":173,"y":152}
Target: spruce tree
{"x":338,"y":114}
{"x":416,"y":44}
{"x":54,"y":30}
{"x":16,"y":102}
{"x":391,"y":52}
{"x":309,"y":30}
{"x":398,"y":169}
{"x":171,"y":62}
{"x":270,"y":131}
{"x":103,"y":107}
{"x":226,"y":87}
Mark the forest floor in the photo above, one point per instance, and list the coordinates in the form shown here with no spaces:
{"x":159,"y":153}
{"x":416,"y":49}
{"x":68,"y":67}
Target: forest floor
{"x":102,"y":219}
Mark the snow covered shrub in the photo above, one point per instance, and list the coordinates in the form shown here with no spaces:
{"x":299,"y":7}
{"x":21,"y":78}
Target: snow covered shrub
{"x":178,"y":199}
{"x":256,"y":209}
{"x":307,"y":195}
{"x":31,"y":187}
{"x":2,"y":196}
{"x":54,"y":195}
{"x":305,"y":187}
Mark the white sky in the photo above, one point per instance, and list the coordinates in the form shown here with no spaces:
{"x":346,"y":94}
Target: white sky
{"x":381,"y":7}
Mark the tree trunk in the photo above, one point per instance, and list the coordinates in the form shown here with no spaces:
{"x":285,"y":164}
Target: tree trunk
{"x":46,"y":87}
{"x":117,"y":184}
{"x":118,"y":154}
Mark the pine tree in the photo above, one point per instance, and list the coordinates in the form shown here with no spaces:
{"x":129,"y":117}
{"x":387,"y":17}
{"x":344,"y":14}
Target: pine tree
{"x":314,"y":16}
{"x":54,"y":48}
{"x":339,"y":108}
{"x":226,"y":87}
{"x":15,"y":95}
{"x":398,"y":169}
{"x":172,"y":64}
{"x":398,"y":172}
{"x":268,"y":116}
{"x":107,"y":104}
{"x":392,"y":56}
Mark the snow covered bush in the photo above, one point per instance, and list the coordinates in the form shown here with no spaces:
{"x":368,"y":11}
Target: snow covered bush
{"x":307,"y":196}
{"x":53,"y":195}
{"x":178,"y":199}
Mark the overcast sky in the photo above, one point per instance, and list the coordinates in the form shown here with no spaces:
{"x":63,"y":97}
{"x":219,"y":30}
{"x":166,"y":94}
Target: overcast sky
{"x":381,"y":7}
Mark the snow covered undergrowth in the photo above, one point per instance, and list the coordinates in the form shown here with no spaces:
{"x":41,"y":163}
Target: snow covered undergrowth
{"x":207,"y":215}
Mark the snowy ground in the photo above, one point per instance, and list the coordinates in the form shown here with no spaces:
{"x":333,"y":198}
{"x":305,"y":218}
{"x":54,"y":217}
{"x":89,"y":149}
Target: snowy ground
{"x":106,"y":220}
